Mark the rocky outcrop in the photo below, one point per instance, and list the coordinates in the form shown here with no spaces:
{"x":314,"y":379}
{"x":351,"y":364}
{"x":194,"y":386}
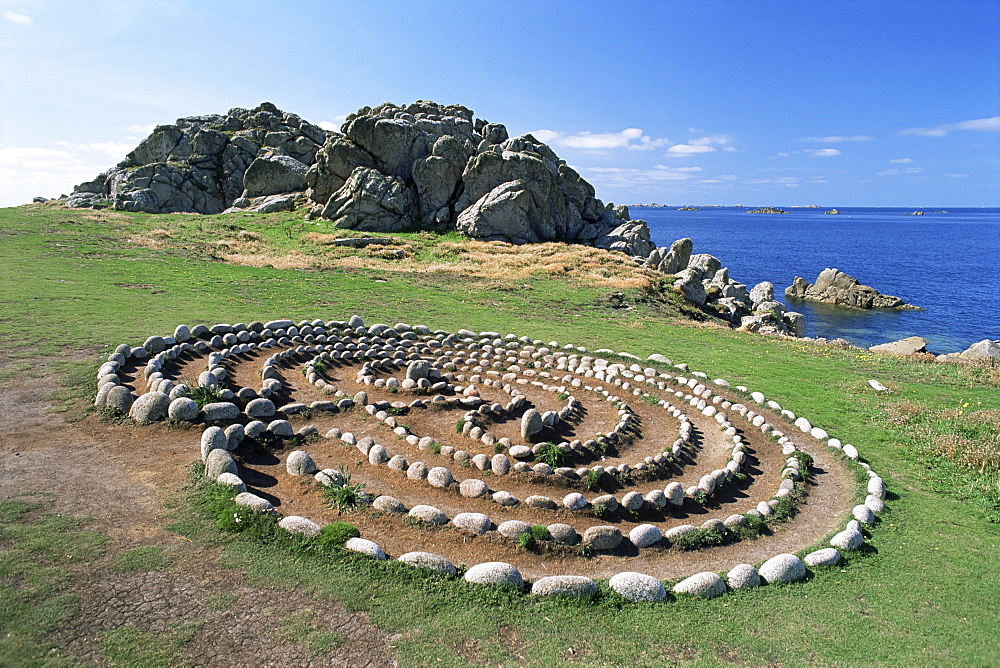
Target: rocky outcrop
{"x":835,"y":287}
{"x":394,"y":168}
{"x":464,"y":173}
{"x":704,"y":281}
{"x":204,"y":164}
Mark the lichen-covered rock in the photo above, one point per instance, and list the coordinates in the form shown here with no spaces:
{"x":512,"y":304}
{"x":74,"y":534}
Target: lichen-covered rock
{"x":183,"y":408}
{"x":281,"y":428}
{"x":366,"y":547}
{"x":574,"y":501}
{"x":260,"y":408}
{"x":702,"y":585}
{"x":231,"y":480}
{"x":848,"y":540}
{"x":377,"y":455}
{"x":680,"y":530}
{"x":633,"y":501}
{"x":300,"y":463}
{"x":637,"y":586}
{"x":675,"y":494}
{"x":388,"y":504}
{"x":429,"y":561}
{"x":218,"y":462}
{"x":531,"y":424}
{"x":782,"y":568}
{"x":826,"y":557}
{"x":495,"y":573}
{"x":539,"y":501}
{"x":863,"y":514}
{"x":743,"y":576}
{"x":417,"y":471}
{"x":120,"y":399}
{"x":253,"y":501}
{"x":563,"y":534}
{"x":439,"y":476}
{"x":428,"y":514}
{"x":475,"y":523}
{"x":644,"y":535}
{"x":505,"y":498}
{"x":602,"y":537}
{"x":300,"y":525}
{"x":213,"y":438}
{"x":220,"y":411}
{"x":150,"y":407}
{"x":500,"y":465}
{"x":564,"y":585}
{"x":473,"y":488}
{"x":874,"y":502}
{"x":513,"y":528}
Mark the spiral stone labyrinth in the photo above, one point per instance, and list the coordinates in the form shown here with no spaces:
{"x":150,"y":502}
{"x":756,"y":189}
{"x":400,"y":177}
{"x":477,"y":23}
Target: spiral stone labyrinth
{"x":467,"y":441}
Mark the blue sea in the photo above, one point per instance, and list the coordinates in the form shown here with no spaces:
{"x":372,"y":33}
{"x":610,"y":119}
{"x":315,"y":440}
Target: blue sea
{"x":946,"y":261}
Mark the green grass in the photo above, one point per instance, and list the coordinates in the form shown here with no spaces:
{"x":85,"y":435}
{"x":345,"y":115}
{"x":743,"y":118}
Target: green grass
{"x":132,"y":647}
{"x":147,"y":558}
{"x":924,"y":593}
{"x":36,"y":552}
{"x":299,"y":628}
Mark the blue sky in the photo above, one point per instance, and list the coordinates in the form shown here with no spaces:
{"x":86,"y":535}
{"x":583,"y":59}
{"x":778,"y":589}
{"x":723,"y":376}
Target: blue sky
{"x":887,"y":103}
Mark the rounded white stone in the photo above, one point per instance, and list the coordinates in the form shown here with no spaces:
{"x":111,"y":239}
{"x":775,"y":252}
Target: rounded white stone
{"x":702,"y":585}
{"x":495,"y":572}
{"x":366,"y":547}
{"x":637,"y":586}
{"x":782,"y":568}
{"x":564,"y":585}
{"x":826,"y":557}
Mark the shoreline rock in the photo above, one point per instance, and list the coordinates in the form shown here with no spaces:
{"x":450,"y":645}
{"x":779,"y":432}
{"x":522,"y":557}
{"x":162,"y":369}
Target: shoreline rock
{"x":835,"y":287}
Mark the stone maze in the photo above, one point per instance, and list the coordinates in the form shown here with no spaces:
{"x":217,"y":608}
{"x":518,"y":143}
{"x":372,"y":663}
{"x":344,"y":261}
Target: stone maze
{"x":484,"y":443}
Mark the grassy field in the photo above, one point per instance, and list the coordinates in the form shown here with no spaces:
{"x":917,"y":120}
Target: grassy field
{"x":927,"y":592}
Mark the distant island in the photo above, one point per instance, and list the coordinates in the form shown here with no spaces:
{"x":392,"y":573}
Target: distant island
{"x":767,"y":209}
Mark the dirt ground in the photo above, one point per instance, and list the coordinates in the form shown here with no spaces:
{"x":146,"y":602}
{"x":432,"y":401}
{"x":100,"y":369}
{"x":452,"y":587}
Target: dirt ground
{"x":122,"y":476}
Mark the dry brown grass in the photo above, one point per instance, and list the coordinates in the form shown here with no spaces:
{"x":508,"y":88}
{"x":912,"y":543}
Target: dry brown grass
{"x":495,"y":261}
{"x":975,"y":442}
{"x":157,"y":238}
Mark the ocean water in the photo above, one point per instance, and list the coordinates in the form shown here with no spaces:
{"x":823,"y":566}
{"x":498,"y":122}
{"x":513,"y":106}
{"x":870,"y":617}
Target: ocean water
{"x":946,"y":261}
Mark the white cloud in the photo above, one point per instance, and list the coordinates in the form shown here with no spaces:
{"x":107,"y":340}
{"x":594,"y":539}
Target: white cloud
{"x":630,"y":139}
{"x":836,"y":139}
{"x":334,"y":124}
{"x":141,"y":131}
{"x":957,"y":176}
{"x":821,"y":152}
{"x":113,"y":150}
{"x":29,"y":171}
{"x":913,"y":170}
{"x":624,"y":177}
{"x":991,"y":124}
{"x":782,"y":181}
{"x":689,"y":149}
{"x":888,"y":172}
{"x":705,"y":144}
{"x":901,"y":161}
{"x":14,"y":17}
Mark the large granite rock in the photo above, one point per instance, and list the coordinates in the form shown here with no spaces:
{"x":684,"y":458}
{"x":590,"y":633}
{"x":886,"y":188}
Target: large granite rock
{"x":198,"y":163}
{"x":372,"y":202}
{"x":273,"y":173}
{"x":908,"y":346}
{"x":835,"y":287}
{"x":671,"y":260}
